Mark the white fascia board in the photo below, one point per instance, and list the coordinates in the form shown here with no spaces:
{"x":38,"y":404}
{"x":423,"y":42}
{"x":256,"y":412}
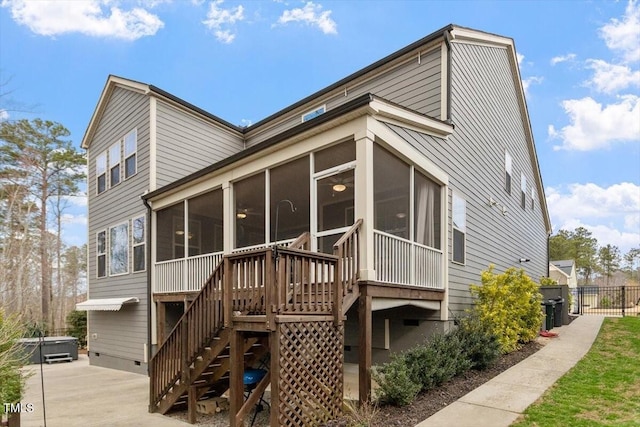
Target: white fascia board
{"x":385,"y":111}
{"x":478,"y":37}
{"x":112,"y":83}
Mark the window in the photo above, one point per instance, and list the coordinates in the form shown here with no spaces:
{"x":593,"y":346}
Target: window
{"x":507,"y":172}
{"x":533,"y":198}
{"x":101,"y":250}
{"x":250,"y":211}
{"x":523,"y":190}
{"x":427,"y":211}
{"x":130,"y":150}
{"x":314,"y":113}
{"x":170,"y":232}
{"x":114,"y":164}
{"x":459,"y":228}
{"x":119,"y":249}
{"x":205,"y":223}
{"x":289,"y":182}
{"x":101,"y":172}
{"x":137,"y":230}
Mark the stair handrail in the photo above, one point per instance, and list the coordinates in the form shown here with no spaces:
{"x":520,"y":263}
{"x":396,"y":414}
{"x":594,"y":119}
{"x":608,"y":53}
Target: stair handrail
{"x":200,"y":323}
{"x":347,"y":273}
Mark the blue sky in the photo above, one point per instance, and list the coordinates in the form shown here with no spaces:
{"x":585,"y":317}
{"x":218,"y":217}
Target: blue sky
{"x":244,"y":60}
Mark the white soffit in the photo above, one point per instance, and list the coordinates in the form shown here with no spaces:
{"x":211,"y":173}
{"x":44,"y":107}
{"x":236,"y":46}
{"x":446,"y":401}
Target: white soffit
{"x":105,"y":304}
{"x":386,"y":303}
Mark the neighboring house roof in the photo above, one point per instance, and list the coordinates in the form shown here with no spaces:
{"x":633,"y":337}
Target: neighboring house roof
{"x":566,"y":266}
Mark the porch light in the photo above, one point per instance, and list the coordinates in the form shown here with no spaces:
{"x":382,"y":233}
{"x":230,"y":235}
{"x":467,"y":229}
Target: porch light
{"x":241,"y":215}
{"x":180,"y":232}
{"x":339,"y":188}
{"x":401,"y":215}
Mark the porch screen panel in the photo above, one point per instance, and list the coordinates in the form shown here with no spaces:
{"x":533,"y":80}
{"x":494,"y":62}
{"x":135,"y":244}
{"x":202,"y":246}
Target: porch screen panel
{"x":205,"y":223}
{"x":250,"y":211}
{"x":289,"y":182}
{"x":391,"y":188}
{"x":170,"y":233}
{"x":427,"y":211}
{"x":336,"y":201}
{"x":335,"y":155}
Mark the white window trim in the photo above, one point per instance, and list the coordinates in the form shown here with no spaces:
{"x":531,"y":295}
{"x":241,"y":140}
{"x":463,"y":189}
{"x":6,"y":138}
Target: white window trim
{"x":322,"y":107}
{"x":105,"y":253}
{"x":508,"y":168}
{"x":134,"y":153}
{"x":523,"y":190}
{"x":126,"y":246}
{"x":135,"y":245}
{"x":112,"y":165}
{"x":98,"y":175}
{"x":455,"y":195}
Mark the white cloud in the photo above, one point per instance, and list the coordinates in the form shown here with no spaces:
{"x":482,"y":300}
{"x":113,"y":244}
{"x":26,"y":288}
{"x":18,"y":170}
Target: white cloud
{"x":611,"y":78}
{"x":218,"y":17}
{"x":4,"y":115}
{"x":563,"y":58}
{"x":97,"y":18}
{"x":612,"y":214}
{"x":74,"y":219}
{"x":526,"y":83}
{"x":520,"y":58}
{"x":594,"y":126}
{"x":623,"y":35}
{"x":311,"y":14}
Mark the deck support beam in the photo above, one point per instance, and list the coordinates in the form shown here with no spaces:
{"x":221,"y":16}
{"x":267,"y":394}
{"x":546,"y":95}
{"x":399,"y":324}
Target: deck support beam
{"x":236,"y":385}
{"x":364,"y":346}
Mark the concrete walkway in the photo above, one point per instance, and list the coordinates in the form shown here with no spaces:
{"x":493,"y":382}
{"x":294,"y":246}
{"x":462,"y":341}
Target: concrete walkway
{"x":500,"y":401}
{"x":77,"y":394}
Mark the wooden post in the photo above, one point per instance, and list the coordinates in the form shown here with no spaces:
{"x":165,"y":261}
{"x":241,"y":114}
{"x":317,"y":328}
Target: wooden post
{"x":191,"y":404}
{"x":270,"y":292}
{"x":184,"y":344}
{"x":236,"y":384}
{"x":338,"y":288}
{"x":161,"y":310}
{"x":227,"y":292}
{"x":274,"y":345}
{"x":364,"y":346}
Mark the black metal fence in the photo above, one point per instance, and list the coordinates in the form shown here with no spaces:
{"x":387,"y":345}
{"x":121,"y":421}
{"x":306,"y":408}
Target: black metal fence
{"x":613,"y":301}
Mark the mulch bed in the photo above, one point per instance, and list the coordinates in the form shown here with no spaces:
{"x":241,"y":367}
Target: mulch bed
{"x":428,"y":403}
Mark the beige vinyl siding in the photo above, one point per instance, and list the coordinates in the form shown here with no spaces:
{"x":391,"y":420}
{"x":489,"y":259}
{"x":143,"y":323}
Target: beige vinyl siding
{"x":487,"y":121}
{"x":122,"y":334}
{"x":413,"y":84}
{"x":186,"y":143}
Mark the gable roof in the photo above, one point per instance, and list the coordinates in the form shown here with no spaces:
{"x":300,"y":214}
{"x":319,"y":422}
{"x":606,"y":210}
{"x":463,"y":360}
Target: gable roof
{"x":146,"y":89}
{"x":566,"y":266}
{"x":449,"y":33}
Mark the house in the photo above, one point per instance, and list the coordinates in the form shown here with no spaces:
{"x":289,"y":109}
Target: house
{"x":564,"y":272}
{"x":387,"y":194}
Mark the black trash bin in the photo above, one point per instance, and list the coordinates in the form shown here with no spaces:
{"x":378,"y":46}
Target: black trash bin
{"x":549,"y":308}
{"x":557,"y":315}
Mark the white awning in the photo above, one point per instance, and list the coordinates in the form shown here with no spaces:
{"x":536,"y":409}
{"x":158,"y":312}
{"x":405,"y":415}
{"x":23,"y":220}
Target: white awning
{"x":105,"y":304}
{"x":386,"y":303}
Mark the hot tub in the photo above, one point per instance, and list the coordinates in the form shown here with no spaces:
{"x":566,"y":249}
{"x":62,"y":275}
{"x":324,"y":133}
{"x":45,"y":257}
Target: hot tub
{"x":50,"y":345}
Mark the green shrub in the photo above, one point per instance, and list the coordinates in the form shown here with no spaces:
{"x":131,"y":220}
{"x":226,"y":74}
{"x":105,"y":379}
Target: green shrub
{"x":509,"y":304}
{"x":548,"y":281}
{"x":479,"y":344}
{"x":12,"y":358}
{"x":395,"y":385}
{"x":77,"y":321}
{"x":437,"y":361}
{"x":605,"y":302}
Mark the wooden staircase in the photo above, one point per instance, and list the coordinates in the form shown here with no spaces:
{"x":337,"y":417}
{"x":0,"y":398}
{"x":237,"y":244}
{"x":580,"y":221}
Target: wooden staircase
{"x":250,"y":292}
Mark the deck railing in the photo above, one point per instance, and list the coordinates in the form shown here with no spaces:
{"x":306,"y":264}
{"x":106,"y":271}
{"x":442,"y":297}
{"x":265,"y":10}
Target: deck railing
{"x":185,"y":274}
{"x":403,"y":262}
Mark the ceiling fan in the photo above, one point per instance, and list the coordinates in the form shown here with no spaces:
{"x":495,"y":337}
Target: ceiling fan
{"x":338,"y":183}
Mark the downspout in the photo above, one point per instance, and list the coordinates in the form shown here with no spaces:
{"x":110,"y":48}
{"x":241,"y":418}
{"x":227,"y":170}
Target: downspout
{"x":548,"y":253}
{"x":149,"y":296}
{"x":447,"y":41}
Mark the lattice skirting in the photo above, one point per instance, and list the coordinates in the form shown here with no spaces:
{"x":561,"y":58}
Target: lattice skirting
{"x":310,"y":380}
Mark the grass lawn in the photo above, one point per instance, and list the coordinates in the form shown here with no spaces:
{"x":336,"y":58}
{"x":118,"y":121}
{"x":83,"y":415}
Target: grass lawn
{"x":603,"y":389}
